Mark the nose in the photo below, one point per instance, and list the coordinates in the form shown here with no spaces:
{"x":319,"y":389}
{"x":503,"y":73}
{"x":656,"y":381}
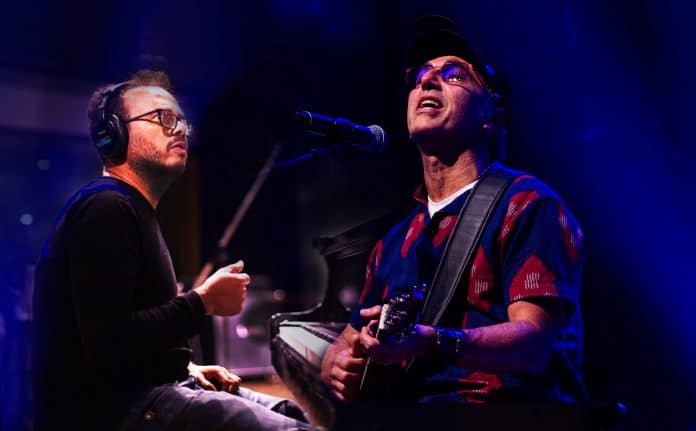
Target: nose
{"x":431,"y":79}
{"x":181,"y":128}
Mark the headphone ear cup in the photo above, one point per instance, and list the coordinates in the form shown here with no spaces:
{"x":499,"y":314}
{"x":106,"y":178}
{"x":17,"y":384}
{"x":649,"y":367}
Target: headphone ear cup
{"x":119,"y":133}
{"x":110,"y":136}
{"x":108,"y":132}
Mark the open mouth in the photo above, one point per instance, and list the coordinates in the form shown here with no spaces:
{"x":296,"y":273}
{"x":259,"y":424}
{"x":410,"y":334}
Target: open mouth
{"x":429,"y":102}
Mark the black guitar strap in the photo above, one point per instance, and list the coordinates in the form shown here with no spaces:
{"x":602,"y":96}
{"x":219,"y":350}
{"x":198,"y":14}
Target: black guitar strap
{"x":459,"y":251}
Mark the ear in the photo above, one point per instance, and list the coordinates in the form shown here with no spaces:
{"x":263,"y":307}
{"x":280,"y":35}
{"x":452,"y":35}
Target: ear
{"x":500,"y":116}
{"x":487,"y":116}
{"x":487,"y":120}
{"x":499,"y":133}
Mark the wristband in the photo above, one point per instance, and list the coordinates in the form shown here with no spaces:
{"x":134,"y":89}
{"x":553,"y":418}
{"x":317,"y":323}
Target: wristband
{"x":449,"y":341}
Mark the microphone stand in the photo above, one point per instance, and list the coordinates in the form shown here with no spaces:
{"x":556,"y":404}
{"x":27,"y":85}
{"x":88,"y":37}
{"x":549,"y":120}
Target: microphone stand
{"x":236,"y":220}
{"x":250,"y":196}
{"x":230,"y":230}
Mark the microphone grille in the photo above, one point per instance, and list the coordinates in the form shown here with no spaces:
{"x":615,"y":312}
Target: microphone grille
{"x":380,"y":139}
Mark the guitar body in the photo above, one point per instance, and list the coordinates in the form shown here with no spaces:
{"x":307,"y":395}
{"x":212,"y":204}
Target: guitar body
{"x":382,"y":383}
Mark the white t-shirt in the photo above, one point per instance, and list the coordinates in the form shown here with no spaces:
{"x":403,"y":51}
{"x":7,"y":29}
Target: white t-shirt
{"x":434,"y":207}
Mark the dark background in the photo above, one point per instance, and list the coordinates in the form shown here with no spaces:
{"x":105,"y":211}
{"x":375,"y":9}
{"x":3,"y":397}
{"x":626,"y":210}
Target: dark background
{"x":601,"y":109}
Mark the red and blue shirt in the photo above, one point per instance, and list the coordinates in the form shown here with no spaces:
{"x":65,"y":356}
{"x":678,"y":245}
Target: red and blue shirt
{"x":531,"y":248}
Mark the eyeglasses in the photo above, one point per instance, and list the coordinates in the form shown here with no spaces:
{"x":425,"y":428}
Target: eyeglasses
{"x":450,"y":72}
{"x":166,"y":118}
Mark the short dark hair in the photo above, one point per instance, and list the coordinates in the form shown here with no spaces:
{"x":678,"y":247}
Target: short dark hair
{"x":142,"y":77}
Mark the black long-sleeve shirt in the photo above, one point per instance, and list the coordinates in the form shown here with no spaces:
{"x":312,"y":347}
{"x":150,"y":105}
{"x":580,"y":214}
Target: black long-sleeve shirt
{"x":107,"y":321}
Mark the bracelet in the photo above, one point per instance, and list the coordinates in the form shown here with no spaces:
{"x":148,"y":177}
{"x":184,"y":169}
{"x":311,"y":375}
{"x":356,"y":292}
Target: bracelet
{"x":449,"y":341}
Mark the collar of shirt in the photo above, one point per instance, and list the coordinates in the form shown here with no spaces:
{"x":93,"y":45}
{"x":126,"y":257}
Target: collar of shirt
{"x":421,"y":196}
{"x":434,"y":207}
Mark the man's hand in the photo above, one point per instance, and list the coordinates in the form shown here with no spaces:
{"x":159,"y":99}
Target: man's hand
{"x":223,"y":293}
{"x":207,"y":375}
{"x":343,"y":365}
{"x":390,"y":350}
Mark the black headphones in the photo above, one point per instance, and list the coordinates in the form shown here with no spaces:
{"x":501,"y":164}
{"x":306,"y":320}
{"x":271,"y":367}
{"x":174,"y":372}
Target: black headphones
{"x":108,"y":130}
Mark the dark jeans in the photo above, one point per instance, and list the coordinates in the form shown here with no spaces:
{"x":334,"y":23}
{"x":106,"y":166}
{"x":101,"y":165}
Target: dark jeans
{"x":187,"y":406}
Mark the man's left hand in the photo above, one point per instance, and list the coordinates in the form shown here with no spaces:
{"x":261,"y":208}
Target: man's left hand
{"x":206,"y":374}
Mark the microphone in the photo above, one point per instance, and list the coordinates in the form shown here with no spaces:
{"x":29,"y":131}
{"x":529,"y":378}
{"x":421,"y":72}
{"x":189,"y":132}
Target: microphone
{"x":371,"y":138}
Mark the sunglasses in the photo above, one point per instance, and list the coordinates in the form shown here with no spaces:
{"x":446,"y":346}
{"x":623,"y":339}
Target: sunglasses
{"x":451,"y":72}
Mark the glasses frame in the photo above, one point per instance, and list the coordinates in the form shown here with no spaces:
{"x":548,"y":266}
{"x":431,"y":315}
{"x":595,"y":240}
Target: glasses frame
{"x":412,"y":82}
{"x":158,"y":111}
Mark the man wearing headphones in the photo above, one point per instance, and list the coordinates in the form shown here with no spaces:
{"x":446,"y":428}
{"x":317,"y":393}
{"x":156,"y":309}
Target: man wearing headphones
{"x":110,"y":333}
{"x":516,"y":314}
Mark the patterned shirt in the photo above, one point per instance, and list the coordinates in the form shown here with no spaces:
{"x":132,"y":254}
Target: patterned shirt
{"x":532,"y":247}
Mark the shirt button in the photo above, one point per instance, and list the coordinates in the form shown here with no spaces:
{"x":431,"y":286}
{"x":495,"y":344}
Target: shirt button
{"x":148,"y":416}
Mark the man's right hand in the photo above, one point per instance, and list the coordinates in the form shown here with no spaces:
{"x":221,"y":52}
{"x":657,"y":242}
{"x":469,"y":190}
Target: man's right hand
{"x":343,"y":365}
{"x":223,"y":292}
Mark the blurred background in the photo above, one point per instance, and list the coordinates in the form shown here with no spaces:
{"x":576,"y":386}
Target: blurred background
{"x":601,"y":110}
